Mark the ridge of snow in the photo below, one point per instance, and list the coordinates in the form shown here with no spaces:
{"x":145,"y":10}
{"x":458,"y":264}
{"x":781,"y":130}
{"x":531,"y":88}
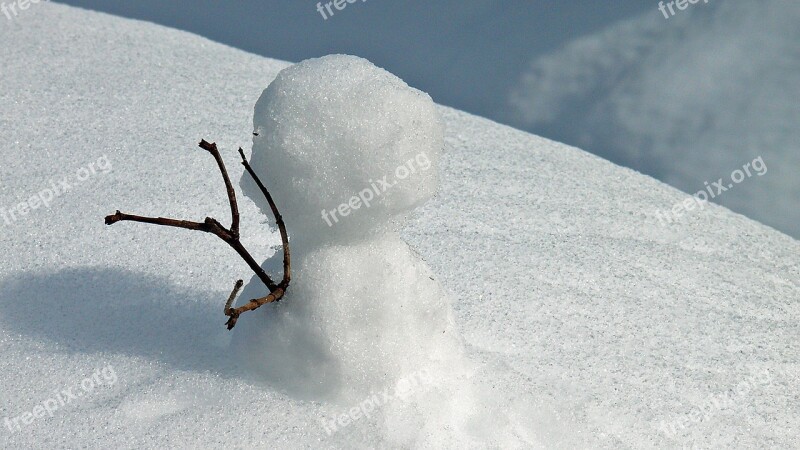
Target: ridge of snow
{"x":591,"y":324}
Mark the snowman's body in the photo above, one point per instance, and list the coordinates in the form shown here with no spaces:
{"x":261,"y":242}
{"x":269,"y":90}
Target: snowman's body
{"x":357,"y":319}
{"x":362,"y":311}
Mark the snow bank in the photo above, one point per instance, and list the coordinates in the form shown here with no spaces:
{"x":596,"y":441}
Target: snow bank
{"x":585,"y":322}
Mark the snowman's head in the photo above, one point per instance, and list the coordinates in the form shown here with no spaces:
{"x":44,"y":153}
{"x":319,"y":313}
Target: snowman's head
{"x":346,"y":148}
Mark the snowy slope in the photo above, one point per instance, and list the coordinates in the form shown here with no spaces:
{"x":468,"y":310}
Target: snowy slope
{"x":592,"y":324}
{"x":686,"y":100}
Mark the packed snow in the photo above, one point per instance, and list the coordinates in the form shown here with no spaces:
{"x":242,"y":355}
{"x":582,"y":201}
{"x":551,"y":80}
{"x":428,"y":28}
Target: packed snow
{"x":509,"y":292}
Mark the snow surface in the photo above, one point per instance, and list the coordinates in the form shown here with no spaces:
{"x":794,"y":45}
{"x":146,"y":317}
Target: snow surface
{"x":584,"y":321}
{"x":686,"y":100}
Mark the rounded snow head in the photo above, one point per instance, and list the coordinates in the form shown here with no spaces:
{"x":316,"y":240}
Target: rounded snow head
{"x":345,"y":148}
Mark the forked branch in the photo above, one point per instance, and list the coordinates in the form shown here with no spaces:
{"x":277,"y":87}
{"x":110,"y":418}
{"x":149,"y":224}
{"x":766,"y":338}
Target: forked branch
{"x":231,"y":237}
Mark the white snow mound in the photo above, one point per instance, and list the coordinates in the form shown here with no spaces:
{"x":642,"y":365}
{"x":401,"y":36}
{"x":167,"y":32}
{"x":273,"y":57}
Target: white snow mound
{"x":584,"y":321}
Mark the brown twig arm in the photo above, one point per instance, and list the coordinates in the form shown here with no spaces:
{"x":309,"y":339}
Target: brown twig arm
{"x":209,"y":226}
{"x":230,"y":236}
{"x":262,"y":275}
{"x":255,"y":303}
{"x":287,"y":259}
{"x":212,"y":148}
{"x":232,"y":297}
{"x":120,"y":217}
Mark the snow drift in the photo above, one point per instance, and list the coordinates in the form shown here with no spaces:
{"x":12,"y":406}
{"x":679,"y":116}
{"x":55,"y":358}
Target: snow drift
{"x":584,"y":322}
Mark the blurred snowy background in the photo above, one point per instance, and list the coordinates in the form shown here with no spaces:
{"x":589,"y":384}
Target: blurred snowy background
{"x":686,"y":99}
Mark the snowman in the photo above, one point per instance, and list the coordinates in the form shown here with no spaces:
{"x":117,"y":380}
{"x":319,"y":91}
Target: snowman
{"x":348,"y":150}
